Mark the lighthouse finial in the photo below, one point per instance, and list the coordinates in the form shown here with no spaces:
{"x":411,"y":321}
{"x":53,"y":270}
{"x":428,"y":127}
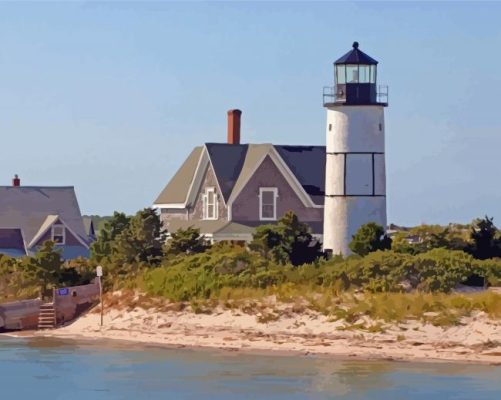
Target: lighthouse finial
{"x":355,"y":45}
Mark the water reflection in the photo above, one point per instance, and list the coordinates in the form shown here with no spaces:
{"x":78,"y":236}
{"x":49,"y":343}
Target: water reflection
{"x":103,"y":370}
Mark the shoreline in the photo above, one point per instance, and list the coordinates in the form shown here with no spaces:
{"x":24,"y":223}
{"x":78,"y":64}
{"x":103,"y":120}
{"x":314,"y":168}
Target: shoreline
{"x":137,"y":345}
{"x":120,"y":342}
{"x":476,"y":341}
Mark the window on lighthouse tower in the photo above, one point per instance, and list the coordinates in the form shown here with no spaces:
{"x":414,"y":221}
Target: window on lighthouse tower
{"x":355,"y":73}
{"x":341,"y":74}
{"x":352,"y":73}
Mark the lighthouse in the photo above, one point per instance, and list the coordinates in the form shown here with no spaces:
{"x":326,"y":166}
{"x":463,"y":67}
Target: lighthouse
{"x":355,"y":178}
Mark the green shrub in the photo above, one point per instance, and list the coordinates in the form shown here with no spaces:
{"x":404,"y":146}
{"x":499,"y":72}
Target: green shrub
{"x":438,"y":270}
{"x":368,"y":238}
{"x":225,"y":267}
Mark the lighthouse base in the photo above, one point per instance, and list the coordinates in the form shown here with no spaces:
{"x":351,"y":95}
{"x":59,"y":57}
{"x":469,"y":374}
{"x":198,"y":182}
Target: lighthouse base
{"x":344,"y":215}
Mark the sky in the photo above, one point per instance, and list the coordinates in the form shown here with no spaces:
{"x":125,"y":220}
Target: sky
{"x":111,"y":97}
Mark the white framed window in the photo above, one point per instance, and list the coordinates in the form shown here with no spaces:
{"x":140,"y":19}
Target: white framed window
{"x":210,"y":203}
{"x":59,"y":234}
{"x":268,"y":203}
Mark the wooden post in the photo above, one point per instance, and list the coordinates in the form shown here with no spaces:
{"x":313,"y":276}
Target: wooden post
{"x":99,"y":274}
{"x":101,"y":298}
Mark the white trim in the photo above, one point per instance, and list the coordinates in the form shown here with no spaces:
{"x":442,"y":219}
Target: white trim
{"x":319,"y":237}
{"x":37,"y":237}
{"x":196,"y":182}
{"x":169,"y":205}
{"x":205,"y":204}
{"x":247,"y":237}
{"x":64,"y":234}
{"x":292,"y":180}
{"x":275,"y":196}
{"x":234,"y":195}
{"x":286,"y":173}
{"x":196,"y":177}
{"x":215,"y":175}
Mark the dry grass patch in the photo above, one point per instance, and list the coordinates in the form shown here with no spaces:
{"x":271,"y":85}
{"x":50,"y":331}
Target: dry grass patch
{"x":266,"y":317}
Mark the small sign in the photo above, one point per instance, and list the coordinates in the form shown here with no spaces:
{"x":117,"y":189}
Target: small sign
{"x":63,"y":292}
{"x":99,"y":271}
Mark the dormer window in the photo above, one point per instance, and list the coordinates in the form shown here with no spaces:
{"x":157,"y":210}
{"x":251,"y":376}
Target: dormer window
{"x":59,"y":234}
{"x":268,"y":204}
{"x":210,"y":204}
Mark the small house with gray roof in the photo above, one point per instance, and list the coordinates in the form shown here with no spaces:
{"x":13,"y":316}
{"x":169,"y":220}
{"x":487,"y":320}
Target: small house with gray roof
{"x":228,"y":189}
{"x":30,"y":215}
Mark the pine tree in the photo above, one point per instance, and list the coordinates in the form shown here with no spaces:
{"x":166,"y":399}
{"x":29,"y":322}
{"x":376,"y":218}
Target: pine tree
{"x":368,"y":238}
{"x":142,"y":240}
{"x":186,"y":241}
{"x":290,"y":240}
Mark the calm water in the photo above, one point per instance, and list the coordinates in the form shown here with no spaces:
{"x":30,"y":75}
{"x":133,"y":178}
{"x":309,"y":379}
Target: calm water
{"x":56,"y":369}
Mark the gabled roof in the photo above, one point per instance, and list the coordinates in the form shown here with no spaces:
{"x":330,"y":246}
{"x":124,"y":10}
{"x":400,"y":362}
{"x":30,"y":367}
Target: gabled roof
{"x":176,"y":191}
{"x":307,"y":163}
{"x":234,"y":165}
{"x":12,"y":242}
{"x":255,"y":155}
{"x":29,"y":207}
{"x":89,"y":226}
{"x":227,"y":161}
{"x":48,"y":223}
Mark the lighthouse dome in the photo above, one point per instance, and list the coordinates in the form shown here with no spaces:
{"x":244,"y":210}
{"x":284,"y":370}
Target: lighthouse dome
{"x":356,"y":56}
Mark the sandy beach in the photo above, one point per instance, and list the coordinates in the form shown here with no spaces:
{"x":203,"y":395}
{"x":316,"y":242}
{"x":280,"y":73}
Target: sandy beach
{"x":477,"y":339}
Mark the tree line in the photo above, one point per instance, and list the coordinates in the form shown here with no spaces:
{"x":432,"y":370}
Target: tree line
{"x":127,"y":246}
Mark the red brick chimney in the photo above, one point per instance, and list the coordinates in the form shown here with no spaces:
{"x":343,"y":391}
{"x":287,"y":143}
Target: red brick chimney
{"x":16,"y":182}
{"x":234,"y":126}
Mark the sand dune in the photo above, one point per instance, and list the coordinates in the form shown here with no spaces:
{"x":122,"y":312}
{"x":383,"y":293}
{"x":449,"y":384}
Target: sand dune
{"x":477,"y":339}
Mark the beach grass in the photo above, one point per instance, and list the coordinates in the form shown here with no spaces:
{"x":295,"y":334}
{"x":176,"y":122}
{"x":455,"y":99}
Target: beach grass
{"x":354,"y":309}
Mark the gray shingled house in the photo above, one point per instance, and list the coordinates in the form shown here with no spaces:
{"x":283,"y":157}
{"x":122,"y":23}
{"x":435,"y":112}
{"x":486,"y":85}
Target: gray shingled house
{"x":30,"y":215}
{"x":228,"y":189}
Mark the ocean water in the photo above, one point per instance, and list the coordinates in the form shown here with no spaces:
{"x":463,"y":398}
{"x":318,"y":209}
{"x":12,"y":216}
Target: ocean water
{"x":63,"y":369}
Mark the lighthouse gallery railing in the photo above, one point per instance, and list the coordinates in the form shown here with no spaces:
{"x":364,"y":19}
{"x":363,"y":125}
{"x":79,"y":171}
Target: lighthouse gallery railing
{"x":330,"y":95}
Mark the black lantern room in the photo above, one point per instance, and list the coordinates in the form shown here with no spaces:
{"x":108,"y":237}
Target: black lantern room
{"x":355,"y":77}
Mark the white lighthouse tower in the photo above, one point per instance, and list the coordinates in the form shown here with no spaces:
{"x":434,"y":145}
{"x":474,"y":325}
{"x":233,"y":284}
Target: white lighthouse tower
{"x":355,"y":179}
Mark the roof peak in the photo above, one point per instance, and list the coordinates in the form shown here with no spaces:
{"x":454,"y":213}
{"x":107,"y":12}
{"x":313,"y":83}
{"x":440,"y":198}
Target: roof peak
{"x":356,"y":56}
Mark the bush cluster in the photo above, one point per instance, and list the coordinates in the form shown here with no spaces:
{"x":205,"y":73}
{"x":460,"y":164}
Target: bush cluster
{"x":33,"y":276}
{"x":205,"y":275}
{"x":281,"y":258}
{"x":438,"y":270}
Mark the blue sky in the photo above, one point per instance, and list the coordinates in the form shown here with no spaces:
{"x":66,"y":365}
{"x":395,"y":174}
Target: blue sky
{"x":111,"y":97}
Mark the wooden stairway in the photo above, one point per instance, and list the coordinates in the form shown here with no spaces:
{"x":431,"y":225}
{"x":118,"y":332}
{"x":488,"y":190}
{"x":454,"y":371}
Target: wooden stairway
{"x":47,"y":316}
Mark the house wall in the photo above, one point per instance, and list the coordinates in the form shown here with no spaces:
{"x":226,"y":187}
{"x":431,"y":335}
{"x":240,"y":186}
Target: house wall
{"x":195,"y":212}
{"x":70,"y":239}
{"x":209,"y":180}
{"x":70,"y":250}
{"x":246,"y":205}
{"x":172,"y":214}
